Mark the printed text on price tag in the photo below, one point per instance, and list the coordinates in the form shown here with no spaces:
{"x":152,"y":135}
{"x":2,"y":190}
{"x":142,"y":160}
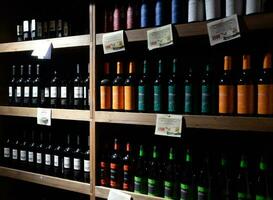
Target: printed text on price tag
{"x":168,"y":125}
{"x":44,"y":116}
{"x":113,"y":42}
{"x":160,"y":37}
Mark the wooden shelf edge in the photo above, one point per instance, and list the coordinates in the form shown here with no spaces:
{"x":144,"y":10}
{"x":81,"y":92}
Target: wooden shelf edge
{"x":232,"y":123}
{"x":64,"y":114}
{"x":55,"y":182}
{"x":102,"y":192}
{"x":63,"y":42}
{"x":253,"y":22}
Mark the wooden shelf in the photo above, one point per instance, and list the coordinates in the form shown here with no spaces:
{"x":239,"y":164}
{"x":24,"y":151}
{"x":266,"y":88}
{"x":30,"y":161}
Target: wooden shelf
{"x":102,"y":192}
{"x":253,"y":22}
{"x":51,"y":181}
{"x":63,"y":42}
{"x":233,"y":123}
{"x":64,"y":114}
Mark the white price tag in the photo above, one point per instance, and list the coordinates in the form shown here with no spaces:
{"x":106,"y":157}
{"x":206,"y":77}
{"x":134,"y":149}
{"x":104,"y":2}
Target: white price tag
{"x":118,"y":195}
{"x":168,"y":125}
{"x":160,"y":37}
{"x":223,"y":30}
{"x":44,"y":116}
{"x":113,"y":42}
{"x":43,"y":50}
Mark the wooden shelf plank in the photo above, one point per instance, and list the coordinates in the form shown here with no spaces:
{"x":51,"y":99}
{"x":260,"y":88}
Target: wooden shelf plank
{"x":253,"y":22}
{"x":63,"y":42}
{"x":102,"y":192}
{"x":233,"y":123}
{"x":64,"y":114}
{"x":51,"y":181}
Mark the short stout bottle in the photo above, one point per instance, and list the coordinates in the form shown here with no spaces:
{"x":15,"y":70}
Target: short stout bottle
{"x":158,"y":89}
{"x":118,"y":90}
{"x":265,"y":88}
{"x":67,"y":158}
{"x":19,"y":93}
{"x":78,"y":90}
{"x":26,"y":30}
{"x":130,"y":89}
{"x":77,"y":161}
{"x":226,"y":90}
{"x":27,"y":88}
{"x":39,"y":151}
{"x":86,"y":163}
{"x":54,"y":91}
{"x":127,"y":167}
{"x":12,"y":87}
{"x":172,"y":90}
{"x":106,"y":89}
{"x":246,"y":90}
{"x":48,"y":154}
{"x":31,"y":152}
{"x":141,"y":176}
{"x":36,"y":88}
{"x":143,"y":90}
{"x":116,"y":166}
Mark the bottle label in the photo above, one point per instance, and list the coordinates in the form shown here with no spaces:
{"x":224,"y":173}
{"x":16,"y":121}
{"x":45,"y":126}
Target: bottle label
{"x":63,"y":92}
{"x":241,"y":196}
{"x":77,"y":164}
{"x":172,"y":98}
{"x":23,"y":155}
{"x":14,"y":154}
{"x":205,"y":99}
{"x":48,"y":159}
{"x":168,"y":190}
{"x":86,"y":165}
{"x":118,"y":98}
{"x":10,"y":91}
{"x":53,"y":92}
{"x":157,"y":98}
{"x":35,"y":91}
{"x":26,"y":91}
{"x":84,"y":92}
{"x":126,"y":177}
{"x":66,"y":32}
{"x":56,"y":161}
{"x":202,"y":193}
{"x":6,"y":152}
{"x":59,"y":25}
{"x":52,"y":25}
{"x":33,"y":25}
{"x":18,"y":91}
{"x":184,"y":192}
{"x":26,"y":26}
{"x":46,"y":92}
{"x":245,"y":99}
{"x":39,"y":158}
{"x":260,"y":197}
{"x":153,"y":187}
{"x":67,"y":163}
{"x":188,"y":99}
{"x":30,"y":156}
{"x":141,"y":98}
{"x":226,"y":99}
{"x":105,"y":97}
{"x":140,"y":184}
{"x":78,"y":93}
{"x":114,"y":175}
{"x":129,"y":95}
{"x":264,"y":99}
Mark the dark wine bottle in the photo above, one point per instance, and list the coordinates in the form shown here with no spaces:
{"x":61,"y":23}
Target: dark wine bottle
{"x":27,"y":88}
{"x":67,"y":158}
{"x":7,"y":148}
{"x":31,"y":152}
{"x":64,"y":96}
{"x":19,"y":93}
{"x":15,"y":152}
{"x":77,"y":161}
{"x":12,"y":87}
{"x":33,"y":28}
{"x":23,"y":151}
{"x":26,"y":30}
{"x":19,"y":33}
{"x":57,"y":157}
{"x":86,"y":94}
{"x":158,"y":89}
{"x":59,"y":28}
{"x":169,"y":176}
{"x":52,"y":28}
{"x":203,"y":180}
{"x":144,"y":88}
{"x":78,"y":90}
{"x":48,"y":154}
{"x":128,"y":170}
{"x":115,"y":166}
{"x":172,"y":90}
{"x":36,"y":89}
{"x":86,"y":163}
{"x":188,"y":93}
{"x":54,"y":91}
{"x":39,"y":151}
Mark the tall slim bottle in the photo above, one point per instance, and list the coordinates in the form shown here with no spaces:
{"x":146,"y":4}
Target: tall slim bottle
{"x":141,"y":177}
{"x":169,"y":176}
{"x":226,"y":90}
{"x":158,"y":91}
{"x":31,"y":152}
{"x":118,"y":90}
{"x":78,"y":161}
{"x":207,"y":92}
{"x":172,"y":90}
{"x":39,"y":157}
{"x":19,"y":94}
{"x":36,"y":88}
{"x":262,"y":184}
{"x":106,"y":89}
{"x":27,"y":88}
{"x":54,"y":90}
{"x":78,"y":90}
{"x":57,"y":157}
{"x":67,"y":159}
{"x":23,"y":151}
{"x":48,"y":154}
{"x":86,"y":93}
{"x":143,"y":90}
{"x":130,"y":89}
{"x":188,"y":107}
{"x":128,"y":169}
{"x":116,"y":167}
{"x":203,"y":180}
{"x":7,"y":148}
{"x":12,"y":87}
{"x":86,"y":163}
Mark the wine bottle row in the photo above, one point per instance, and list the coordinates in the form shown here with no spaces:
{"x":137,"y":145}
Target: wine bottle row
{"x":26,"y":89}
{"x":132,"y":14}
{"x":42,"y":152}
{"x":202,"y":175}
{"x":36,"y":29}
{"x":192,"y":93}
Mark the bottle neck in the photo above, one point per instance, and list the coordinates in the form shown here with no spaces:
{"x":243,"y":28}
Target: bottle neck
{"x":37,"y":70}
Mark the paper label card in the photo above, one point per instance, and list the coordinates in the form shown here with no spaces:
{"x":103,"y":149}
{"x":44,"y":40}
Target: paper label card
{"x":168,"y":125}
{"x":113,"y":42}
{"x":44,"y":116}
{"x":160,"y":37}
{"x":118,"y":195}
{"x":43,"y":50}
{"x":223,"y":30}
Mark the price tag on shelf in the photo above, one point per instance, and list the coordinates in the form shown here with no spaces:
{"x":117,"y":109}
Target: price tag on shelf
{"x":113,"y":42}
{"x":223,"y":30}
{"x":160,"y":37}
{"x":43,"y":50}
{"x":44,"y":116}
{"x":168,"y":125}
{"x":118,"y":195}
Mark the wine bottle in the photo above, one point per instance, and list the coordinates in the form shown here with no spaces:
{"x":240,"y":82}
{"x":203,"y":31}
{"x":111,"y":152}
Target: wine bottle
{"x":104,"y":166}
{"x":172,"y":90}
{"x":64,"y":96}
{"x":23,"y":151}
{"x":7,"y":152}
{"x":48,"y":154}
{"x":188,"y":92}
{"x":105,"y":89}
{"x":15,"y":152}
{"x":45,"y":29}
{"x":26,"y":30}
{"x":39,"y":151}
{"x":67,"y":158}
{"x":52,"y":28}
{"x":253,"y":6}
{"x":27,"y":88}
{"x":203,"y":180}
{"x":118,"y":90}
{"x":115,"y":166}
{"x":128,"y":171}
{"x":226,"y":90}
{"x":12,"y":87}
{"x":141,"y":176}
{"x":145,"y":14}
{"x":130,"y":89}
{"x":20,"y":88}
{"x":57,"y":157}
{"x":31,"y":152}
{"x":33,"y":28}
{"x":77,"y":161}
{"x":39,"y":29}
{"x":245,"y":90}
{"x":261,"y":186}
{"x":59,"y":28}
{"x":159,"y":89}
{"x":195,"y":10}
{"x":86,"y":163}
{"x":212,"y":9}
{"x":234,"y":7}
{"x":86,"y":93}
{"x":169,"y":176}
{"x":130,"y":15}
{"x":36,"y":89}
{"x":144,"y":88}
{"x":78,"y":90}
{"x":54,"y":91}
{"x":19,"y":33}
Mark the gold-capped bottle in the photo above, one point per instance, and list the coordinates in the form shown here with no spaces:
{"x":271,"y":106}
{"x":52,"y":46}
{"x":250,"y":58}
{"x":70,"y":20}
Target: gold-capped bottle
{"x":130,"y":89}
{"x":118,"y":90}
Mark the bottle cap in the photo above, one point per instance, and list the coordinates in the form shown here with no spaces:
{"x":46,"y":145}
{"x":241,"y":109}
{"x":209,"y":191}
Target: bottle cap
{"x":267,"y":61}
{"x":246,"y":62}
{"x":227,"y":63}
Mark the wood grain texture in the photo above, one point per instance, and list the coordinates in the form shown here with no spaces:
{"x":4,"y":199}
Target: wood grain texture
{"x":51,"y":181}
